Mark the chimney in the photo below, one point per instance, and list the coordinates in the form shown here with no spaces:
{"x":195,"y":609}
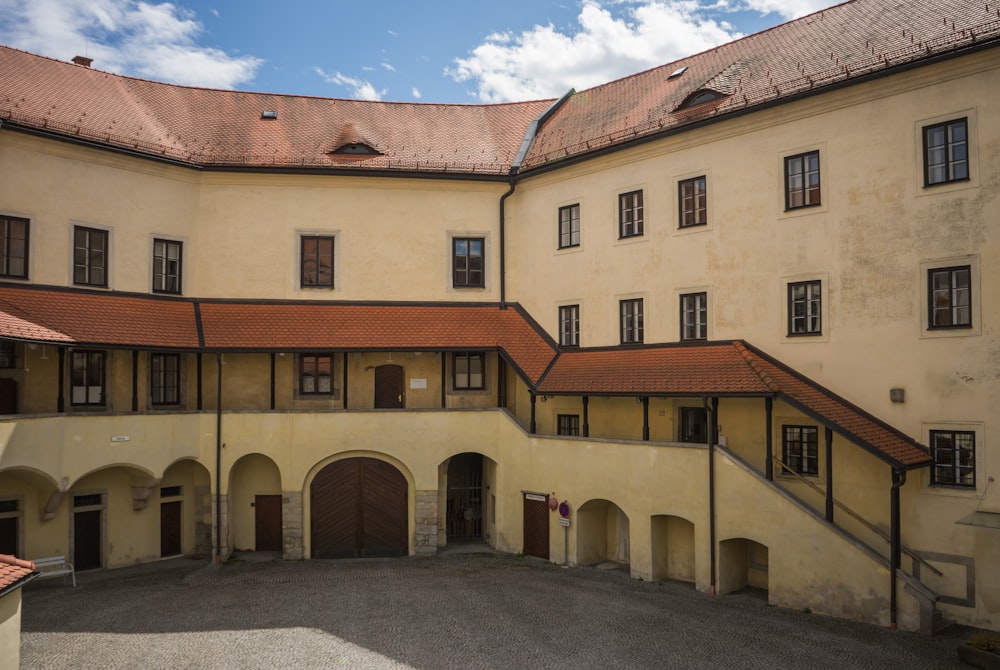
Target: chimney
{"x":83,"y":60}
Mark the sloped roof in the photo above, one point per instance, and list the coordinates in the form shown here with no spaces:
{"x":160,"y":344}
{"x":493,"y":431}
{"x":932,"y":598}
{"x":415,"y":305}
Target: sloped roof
{"x":209,"y":127}
{"x":721,"y":369}
{"x":224,"y":129}
{"x":845,"y":42}
{"x":14,"y":573}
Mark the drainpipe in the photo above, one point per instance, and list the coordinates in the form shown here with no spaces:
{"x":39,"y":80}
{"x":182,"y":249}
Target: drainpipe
{"x":713,"y":436}
{"x":218,"y":459}
{"x":898,"y":479}
{"x":503,"y":240}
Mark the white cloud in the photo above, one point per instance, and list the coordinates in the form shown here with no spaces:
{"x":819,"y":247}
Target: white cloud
{"x":415,"y":92}
{"x":360,"y":89}
{"x":388,"y":67}
{"x":614,"y":38}
{"x":144,"y":39}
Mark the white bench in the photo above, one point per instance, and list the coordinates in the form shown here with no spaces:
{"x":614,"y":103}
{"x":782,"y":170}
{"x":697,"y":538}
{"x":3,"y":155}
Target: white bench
{"x":53,"y":566}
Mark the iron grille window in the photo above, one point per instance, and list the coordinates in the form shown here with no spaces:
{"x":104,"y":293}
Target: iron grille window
{"x":13,"y":247}
{"x":569,"y":226}
{"x":694,"y":425}
{"x":468,"y":371}
{"x":87,"y":378}
{"x":954,"y":458}
{"x":569,"y":325}
{"x":630,"y":214}
{"x":805,"y":308}
{"x":694,"y":316}
{"x":568,"y":424}
{"x":8,"y":354}
{"x":692,"y":194}
{"x":317,"y":261}
{"x":316,"y":375}
{"x":800,"y":449}
{"x":165,"y":379}
{"x":170,"y":491}
{"x":467,"y":263}
{"x":166,"y":266}
{"x":631,"y":321}
{"x":946,"y":152}
{"x":802,"y":180}
{"x":949,"y":302}
{"x":90,"y":257}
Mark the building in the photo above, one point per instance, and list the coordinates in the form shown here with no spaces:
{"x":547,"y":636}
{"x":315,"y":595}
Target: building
{"x":738,"y":312}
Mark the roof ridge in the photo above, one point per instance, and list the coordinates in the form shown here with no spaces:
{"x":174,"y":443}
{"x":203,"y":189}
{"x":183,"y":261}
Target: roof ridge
{"x":10,"y":559}
{"x":754,"y":363}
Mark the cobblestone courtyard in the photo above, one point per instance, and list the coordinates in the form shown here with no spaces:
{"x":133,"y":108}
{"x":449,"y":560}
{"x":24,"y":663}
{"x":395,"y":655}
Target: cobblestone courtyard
{"x":453,"y":611}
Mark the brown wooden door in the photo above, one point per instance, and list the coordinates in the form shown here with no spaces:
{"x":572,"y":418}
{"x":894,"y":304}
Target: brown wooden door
{"x":8,"y":536}
{"x":389,"y":387}
{"x":87,"y":539}
{"x":170,"y":528}
{"x":8,"y":396}
{"x":359,"y":508}
{"x":267,"y":522}
{"x":536,"y":525}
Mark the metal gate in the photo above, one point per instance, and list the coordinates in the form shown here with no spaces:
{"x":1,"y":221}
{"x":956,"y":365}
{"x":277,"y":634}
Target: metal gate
{"x":465,"y":497}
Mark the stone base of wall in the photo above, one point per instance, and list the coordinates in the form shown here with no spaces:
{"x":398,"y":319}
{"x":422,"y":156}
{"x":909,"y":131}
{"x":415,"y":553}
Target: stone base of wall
{"x":203,"y":537}
{"x":291,"y":526}
{"x":426,"y":531}
{"x":226,"y":549}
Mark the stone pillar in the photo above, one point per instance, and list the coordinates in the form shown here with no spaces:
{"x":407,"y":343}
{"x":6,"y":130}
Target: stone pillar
{"x":426,"y":532}
{"x":203,"y":530}
{"x":291,"y":526}
{"x":225,"y":549}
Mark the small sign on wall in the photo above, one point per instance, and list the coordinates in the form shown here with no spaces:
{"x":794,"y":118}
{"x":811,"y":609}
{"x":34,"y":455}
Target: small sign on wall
{"x":418,"y":383}
{"x":120,"y":438}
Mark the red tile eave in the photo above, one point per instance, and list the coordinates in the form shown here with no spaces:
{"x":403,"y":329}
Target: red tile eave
{"x":14,"y":573}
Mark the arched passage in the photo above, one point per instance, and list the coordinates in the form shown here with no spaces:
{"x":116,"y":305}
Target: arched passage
{"x":468,"y":479}
{"x":255,"y":504}
{"x":602,"y":533}
{"x":358,"y":507}
{"x":672,"y":545}
{"x":742,"y":563}
{"x":185,"y":507}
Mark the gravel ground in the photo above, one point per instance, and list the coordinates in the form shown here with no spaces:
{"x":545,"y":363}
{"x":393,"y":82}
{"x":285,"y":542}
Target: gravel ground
{"x":452,"y":611}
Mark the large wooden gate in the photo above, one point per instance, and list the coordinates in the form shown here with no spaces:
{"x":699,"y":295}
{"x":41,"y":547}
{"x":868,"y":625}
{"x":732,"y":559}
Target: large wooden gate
{"x":359,"y":508}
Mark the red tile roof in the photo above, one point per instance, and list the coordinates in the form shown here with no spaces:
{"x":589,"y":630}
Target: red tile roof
{"x":721,"y":369}
{"x":14,"y":573}
{"x":215,"y":128}
{"x":224,"y":128}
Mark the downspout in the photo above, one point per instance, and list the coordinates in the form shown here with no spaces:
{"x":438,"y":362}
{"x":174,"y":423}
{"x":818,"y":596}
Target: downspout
{"x":713,"y":436}
{"x":898,"y":479}
{"x":515,"y":166}
{"x":218,"y":459}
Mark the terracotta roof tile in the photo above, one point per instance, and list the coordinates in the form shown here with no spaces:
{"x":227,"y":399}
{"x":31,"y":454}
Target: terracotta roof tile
{"x":832,"y":46}
{"x":14,"y":572}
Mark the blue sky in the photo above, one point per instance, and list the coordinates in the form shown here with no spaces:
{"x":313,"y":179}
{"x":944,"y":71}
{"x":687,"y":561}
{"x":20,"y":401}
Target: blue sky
{"x":442,"y":51}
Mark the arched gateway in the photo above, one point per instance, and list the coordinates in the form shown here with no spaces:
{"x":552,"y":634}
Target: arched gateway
{"x":359,"y":508}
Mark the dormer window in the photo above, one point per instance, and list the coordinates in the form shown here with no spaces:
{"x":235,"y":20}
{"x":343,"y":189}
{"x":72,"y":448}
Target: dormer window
{"x":356,"y":148}
{"x":699,"y":97}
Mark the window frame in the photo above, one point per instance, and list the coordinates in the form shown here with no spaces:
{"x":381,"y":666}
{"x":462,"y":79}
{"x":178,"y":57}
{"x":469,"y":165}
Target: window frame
{"x":101,"y":356}
{"x":467,"y":384}
{"x":954,"y":465}
{"x":569,"y":226}
{"x":8,"y":354}
{"x":694,"y":210}
{"x":699,"y":309}
{"x":311,"y":363}
{"x":468,"y":256}
{"x":631,"y":321}
{"x":304,"y":281}
{"x":631,"y":214}
{"x":946,"y":147}
{"x":689,"y":418}
{"x":164,"y":379}
{"x":7,"y":256}
{"x":807,"y":460}
{"x":161,"y":266}
{"x":568,"y":425}
{"x":808,"y":301}
{"x":569,"y":325}
{"x":803,"y":174}
{"x":89,"y":267}
{"x":932,"y":292}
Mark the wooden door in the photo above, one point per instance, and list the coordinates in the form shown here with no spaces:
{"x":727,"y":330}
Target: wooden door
{"x":359,"y":508}
{"x":170,"y":528}
{"x":8,"y":396}
{"x":389,"y":387}
{"x":267,"y":523}
{"x":8,"y":536}
{"x":87,"y":539}
{"x":536,"y":525}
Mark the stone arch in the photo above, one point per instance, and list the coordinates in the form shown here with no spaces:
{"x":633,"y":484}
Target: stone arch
{"x":185,"y":505}
{"x":253,"y":479}
{"x":673,"y":548}
{"x":466,"y":482}
{"x":743,"y":563}
{"x":602,"y":534}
